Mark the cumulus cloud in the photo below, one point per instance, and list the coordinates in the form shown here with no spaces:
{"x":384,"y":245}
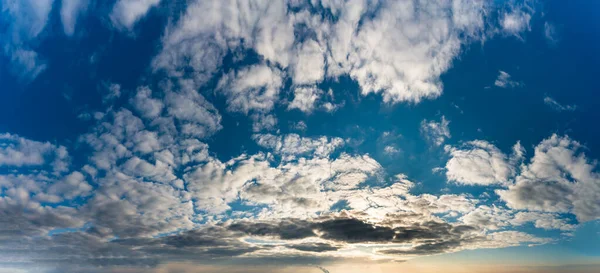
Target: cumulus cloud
{"x":542,"y":220}
{"x":435,"y":132}
{"x":16,"y":151}
{"x":478,"y":162}
{"x":558,"y":178}
{"x":556,"y":106}
{"x":420,"y":42}
{"x":305,"y":98}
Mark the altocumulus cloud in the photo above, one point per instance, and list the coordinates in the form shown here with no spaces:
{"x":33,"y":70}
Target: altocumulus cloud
{"x":151,"y":188}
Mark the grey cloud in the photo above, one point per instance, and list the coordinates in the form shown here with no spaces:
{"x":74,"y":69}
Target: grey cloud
{"x":285,"y":229}
{"x":353,"y":230}
{"x":16,"y":151}
{"x":558,"y":178}
{"x":425,"y":249}
{"x":314,"y":247}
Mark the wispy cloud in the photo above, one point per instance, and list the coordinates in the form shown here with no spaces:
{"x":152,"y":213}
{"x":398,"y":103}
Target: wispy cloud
{"x":555,"y":105}
{"x":504,"y":81}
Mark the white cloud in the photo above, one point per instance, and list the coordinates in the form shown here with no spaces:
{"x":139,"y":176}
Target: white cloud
{"x":542,"y":220}
{"x":70,"y":10}
{"x":491,"y":218}
{"x":71,"y":186}
{"x":292,"y":145}
{"x":551,"y":33}
{"x":305,"y":98}
{"x":25,"y":21}
{"x":126,"y":13}
{"x":143,"y":102}
{"x":558,"y":178}
{"x":478,"y":162}
{"x":504,"y":81}
{"x":16,"y":151}
{"x":555,"y":105}
{"x":516,"y":21}
{"x":255,"y":88}
{"x":391,"y":150}
{"x":435,"y":132}
{"x":397,"y":54}
{"x":196,"y":115}
{"x":309,"y":63}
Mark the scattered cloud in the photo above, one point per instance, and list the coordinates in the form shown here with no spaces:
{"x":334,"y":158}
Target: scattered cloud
{"x":478,"y":162}
{"x":558,"y":178}
{"x":551,"y":33}
{"x":25,"y":20}
{"x":293,"y":145}
{"x":70,"y":11}
{"x":404,"y":67}
{"x":436,"y":132}
{"x":126,"y":13}
{"x":305,"y":98}
{"x":504,"y":81}
{"x":515,"y":22}
{"x":148,"y":187}
{"x":255,"y":88}
{"x":555,"y":105}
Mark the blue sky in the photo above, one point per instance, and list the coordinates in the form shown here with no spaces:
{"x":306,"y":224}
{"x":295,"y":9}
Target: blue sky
{"x":140,"y":134}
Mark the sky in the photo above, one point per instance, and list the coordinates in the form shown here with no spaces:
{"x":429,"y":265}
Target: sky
{"x":299,"y":136}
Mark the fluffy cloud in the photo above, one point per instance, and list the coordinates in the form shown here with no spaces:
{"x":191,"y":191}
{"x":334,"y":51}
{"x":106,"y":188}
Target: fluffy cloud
{"x":435,"y":132}
{"x":305,"y":98}
{"x":151,"y":189}
{"x":255,"y":88}
{"x":479,"y":162}
{"x":16,"y":151}
{"x":558,"y":178}
{"x":420,"y":42}
{"x":309,"y":63}
{"x":542,"y":220}
{"x":516,"y":20}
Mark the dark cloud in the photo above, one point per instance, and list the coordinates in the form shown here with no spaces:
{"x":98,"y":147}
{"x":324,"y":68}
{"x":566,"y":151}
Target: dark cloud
{"x":354,"y":231}
{"x":425,"y":249}
{"x":285,"y":229}
{"x":314,"y":247}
